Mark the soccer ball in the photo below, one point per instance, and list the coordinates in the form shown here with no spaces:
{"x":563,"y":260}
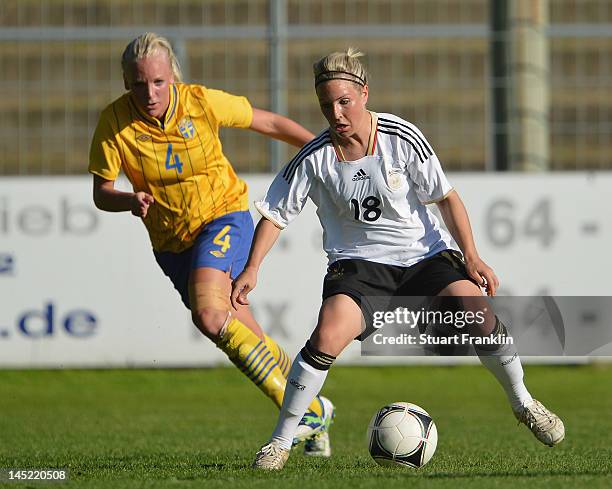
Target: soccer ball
{"x":402,"y":434}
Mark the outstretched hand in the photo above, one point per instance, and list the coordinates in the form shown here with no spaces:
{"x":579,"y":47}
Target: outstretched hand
{"x":141,"y":201}
{"x":242,"y":285}
{"x":483,"y":274}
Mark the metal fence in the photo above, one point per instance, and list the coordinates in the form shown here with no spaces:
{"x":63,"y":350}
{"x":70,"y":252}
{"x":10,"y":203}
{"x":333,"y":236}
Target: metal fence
{"x":428,"y":62}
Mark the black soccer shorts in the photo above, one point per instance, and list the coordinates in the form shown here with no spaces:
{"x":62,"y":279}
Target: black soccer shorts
{"x":379,"y":287}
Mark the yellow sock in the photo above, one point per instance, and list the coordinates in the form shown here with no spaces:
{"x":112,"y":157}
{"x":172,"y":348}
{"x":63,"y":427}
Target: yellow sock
{"x":258,"y":362}
{"x":280,"y":355}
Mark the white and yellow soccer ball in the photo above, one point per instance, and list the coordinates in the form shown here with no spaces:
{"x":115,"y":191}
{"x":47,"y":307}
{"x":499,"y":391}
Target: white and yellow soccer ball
{"x":402,"y":434}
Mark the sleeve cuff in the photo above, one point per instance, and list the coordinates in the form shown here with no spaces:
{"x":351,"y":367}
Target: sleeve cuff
{"x":102,"y":174}
{"x":435,"y":201}
{"x":268,"y":216}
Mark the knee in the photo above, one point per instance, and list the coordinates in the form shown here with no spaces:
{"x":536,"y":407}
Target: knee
{"x":330,"y":341}
{"x":322,"y":340}
{"x":209,"y":321}
{"x":209,"y":307}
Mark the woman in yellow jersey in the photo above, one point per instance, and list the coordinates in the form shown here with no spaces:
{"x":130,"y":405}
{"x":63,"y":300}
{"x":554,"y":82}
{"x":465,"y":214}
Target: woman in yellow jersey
{"x":164,"y":135}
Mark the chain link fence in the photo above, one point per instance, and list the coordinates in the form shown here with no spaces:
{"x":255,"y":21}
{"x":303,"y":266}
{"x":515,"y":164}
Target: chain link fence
{"x":428,"y":62}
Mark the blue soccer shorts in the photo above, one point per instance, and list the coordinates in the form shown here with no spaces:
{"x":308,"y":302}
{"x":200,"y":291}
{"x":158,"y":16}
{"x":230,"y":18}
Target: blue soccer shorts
{"x":223,"y":244}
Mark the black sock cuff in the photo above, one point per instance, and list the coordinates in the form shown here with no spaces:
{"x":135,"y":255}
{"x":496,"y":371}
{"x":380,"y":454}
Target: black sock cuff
{"x":499,"y":330}
{"x":315,"y":358}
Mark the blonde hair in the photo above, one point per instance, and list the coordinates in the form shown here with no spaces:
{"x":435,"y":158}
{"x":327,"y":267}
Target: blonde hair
{"x":341,"y":66}
{"x":145,"y":45}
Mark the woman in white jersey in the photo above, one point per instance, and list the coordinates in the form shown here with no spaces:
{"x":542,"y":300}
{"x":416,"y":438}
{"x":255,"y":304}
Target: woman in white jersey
{"x":371,"y":176}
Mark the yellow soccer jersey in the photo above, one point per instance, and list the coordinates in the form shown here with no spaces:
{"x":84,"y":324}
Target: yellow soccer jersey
{"x":179,"y":162}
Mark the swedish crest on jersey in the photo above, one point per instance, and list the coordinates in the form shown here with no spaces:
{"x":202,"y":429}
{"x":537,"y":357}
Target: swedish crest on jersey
{"x":186,"y":128}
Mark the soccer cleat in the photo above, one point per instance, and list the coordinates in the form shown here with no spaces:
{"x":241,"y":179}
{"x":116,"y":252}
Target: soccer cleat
{"x":318,"y":445}
{"x":544,"y":424}
{"x":271,"y":456}
{"x":310,"y":424}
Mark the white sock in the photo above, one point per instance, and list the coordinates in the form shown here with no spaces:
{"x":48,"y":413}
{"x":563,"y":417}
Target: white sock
{"x":508,"y":371}
{"x":303,"y":384}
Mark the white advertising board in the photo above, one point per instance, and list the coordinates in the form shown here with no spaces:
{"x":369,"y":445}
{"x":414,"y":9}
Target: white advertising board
{"x":80,"y":287}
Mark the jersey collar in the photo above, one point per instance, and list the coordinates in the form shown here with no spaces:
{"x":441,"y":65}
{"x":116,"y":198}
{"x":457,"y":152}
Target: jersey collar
{"x":169,"y":113}
{"x":371,"y":140}
{"x":373,"y":133}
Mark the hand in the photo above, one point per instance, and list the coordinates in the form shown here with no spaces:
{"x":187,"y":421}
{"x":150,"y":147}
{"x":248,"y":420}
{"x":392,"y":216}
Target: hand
{"x":244,"y":283}
{"x":483,"y":274}
{"x":140,"y":204}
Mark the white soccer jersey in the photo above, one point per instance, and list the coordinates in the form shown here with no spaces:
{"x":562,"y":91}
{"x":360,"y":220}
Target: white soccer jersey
{"x":373,"y":208}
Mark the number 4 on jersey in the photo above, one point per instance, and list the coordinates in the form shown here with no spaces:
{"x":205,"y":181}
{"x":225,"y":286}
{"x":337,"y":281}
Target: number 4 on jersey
{"x":171,"y":162}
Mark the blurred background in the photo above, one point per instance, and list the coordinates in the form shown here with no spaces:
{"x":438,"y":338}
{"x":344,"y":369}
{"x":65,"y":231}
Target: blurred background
{"x":515,"y":96}
{"x":458,"y":68}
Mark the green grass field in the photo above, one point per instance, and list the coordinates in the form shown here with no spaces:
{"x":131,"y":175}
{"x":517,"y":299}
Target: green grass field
{"x":201,"y":428}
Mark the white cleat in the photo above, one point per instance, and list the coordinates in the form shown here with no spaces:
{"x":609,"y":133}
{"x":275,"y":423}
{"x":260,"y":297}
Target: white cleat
{"x":319,"y":445}
{"x":271,"y":456}
{"x":544,"y":424}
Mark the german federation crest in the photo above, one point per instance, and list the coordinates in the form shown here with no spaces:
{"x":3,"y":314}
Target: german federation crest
{"x":186,"y":128}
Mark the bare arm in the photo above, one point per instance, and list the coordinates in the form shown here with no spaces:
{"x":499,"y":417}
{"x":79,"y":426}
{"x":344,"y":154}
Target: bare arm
{"x":266,"y":235}
{"x":279,"y":127}
{"x":458,"y":223}
{"x":107,"y":198}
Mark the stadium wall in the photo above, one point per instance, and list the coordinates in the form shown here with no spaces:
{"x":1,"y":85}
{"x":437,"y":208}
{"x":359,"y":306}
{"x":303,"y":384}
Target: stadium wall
{"x":80,"y":288}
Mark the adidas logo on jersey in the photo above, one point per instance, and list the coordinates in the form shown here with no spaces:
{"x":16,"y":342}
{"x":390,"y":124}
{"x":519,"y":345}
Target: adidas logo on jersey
{"x":360,"y":175}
